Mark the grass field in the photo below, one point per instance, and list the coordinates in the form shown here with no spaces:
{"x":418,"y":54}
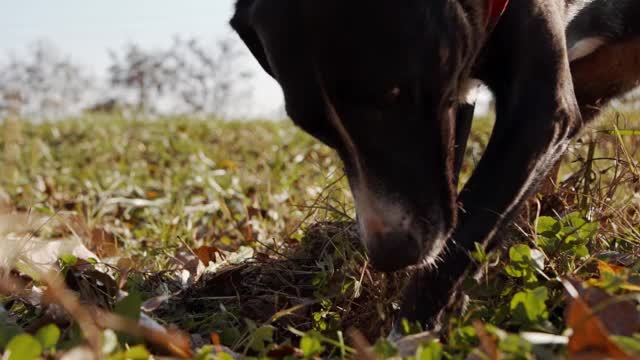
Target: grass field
{"x":238,"y":237}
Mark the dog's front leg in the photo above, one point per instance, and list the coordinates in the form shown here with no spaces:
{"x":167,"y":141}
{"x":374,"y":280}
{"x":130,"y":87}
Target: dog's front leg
{"x":525,"y":64}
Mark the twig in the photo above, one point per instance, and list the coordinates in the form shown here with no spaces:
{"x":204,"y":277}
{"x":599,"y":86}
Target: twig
{"x":362,"y":346}
{"x":58,"y":292}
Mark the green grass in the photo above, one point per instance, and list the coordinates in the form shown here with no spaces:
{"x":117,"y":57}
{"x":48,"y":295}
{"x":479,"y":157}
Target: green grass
{"x":150,"y":193}
{"x":200,"y":179}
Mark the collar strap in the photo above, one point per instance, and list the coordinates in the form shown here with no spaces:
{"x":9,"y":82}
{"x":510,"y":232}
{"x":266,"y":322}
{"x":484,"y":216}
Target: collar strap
{"x":495,"y":9}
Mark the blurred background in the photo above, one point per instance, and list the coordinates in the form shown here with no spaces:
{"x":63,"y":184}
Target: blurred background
{"x":158,"y":57}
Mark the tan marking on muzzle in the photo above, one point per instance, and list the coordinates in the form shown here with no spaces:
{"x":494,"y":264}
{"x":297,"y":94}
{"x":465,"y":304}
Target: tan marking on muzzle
{"x":374,"y":224}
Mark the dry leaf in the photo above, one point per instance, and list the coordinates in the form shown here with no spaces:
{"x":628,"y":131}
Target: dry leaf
{"x":124,"y":266}
{"x":152,"y":195}
{"x":208,"y":254}
{"x":22,"y":248}
{"x":215,"y":339}
{"x":104,"y":243}
{"x":94,"y":287}
{"x":228,"y":165}
{"x":40,"y":255}
{"x":618,"y":314}
{"x":616,"y":270}
{"x":186,"y":259}
{"x":604,"y":267}
{"x":255,"y":212}
{"x":594,"y":355}
{"x":248,"y":232}
{"x":488,"y":344}
{"x":589,"y":333}
{"x":155,"y":302}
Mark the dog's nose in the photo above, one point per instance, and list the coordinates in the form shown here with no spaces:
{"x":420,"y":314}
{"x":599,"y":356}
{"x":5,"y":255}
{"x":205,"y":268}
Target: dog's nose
{"x":393,"y":251}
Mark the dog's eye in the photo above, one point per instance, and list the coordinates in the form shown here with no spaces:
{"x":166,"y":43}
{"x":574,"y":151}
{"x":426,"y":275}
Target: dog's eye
{"x":391,"y":96}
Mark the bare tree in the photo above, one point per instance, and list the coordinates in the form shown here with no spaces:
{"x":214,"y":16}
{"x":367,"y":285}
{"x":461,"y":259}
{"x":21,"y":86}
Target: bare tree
{"x":211,"y":80}
{"x":147,"y":73}
{"x":187,"y":77}
{"x":43,"y":83}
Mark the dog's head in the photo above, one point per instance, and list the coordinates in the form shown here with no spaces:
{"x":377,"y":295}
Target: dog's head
{"x":378,"y":81}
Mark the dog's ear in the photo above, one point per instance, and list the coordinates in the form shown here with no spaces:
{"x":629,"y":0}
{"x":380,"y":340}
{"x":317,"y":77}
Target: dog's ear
{"x":242,"y":24}
{"x":275,"y":33}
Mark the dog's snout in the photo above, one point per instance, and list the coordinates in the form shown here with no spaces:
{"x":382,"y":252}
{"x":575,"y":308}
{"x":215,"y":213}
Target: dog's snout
{"x":395,"y":241}
{"x":396,"y":235}
{"x":390,"y":243}
{"x":393,"y":251}
{"x":373,"y":225}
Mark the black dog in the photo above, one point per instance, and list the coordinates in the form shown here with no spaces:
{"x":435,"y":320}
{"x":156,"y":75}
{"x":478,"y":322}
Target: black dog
{"x":381,"y":82}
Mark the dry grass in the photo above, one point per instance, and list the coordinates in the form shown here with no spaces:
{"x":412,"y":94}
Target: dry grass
{"x":269,"y":207}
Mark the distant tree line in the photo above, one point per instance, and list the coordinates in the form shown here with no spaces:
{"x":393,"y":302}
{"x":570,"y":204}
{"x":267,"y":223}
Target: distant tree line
{"x":187,"y":77}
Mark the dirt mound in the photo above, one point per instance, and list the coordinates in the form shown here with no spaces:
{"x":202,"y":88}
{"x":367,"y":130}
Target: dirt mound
{"x":324,"y":283}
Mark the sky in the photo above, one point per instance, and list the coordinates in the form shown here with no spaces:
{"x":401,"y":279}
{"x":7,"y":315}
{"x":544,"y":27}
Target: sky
{"x":86,"y":29}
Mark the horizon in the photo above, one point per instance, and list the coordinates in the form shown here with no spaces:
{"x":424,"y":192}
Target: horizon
{"x":88,"y":31}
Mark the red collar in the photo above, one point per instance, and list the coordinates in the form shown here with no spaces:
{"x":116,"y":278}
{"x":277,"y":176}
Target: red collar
{"x":495,"y":9}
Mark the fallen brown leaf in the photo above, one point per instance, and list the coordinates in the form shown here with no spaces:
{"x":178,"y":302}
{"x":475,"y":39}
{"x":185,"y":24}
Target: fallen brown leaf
{"x":155,"y":302}
{"x":248,"y":233}
{"x":91,"y":319}
{"x":618,"y":314}
{"x":604,"y":267}
{"x":124,"y":266}
{"x":589,"y":334}
{"x":104,"y":243}
{"x":208,"y":254}
{"x":152,"y":195}
{"x":488,"y":344}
